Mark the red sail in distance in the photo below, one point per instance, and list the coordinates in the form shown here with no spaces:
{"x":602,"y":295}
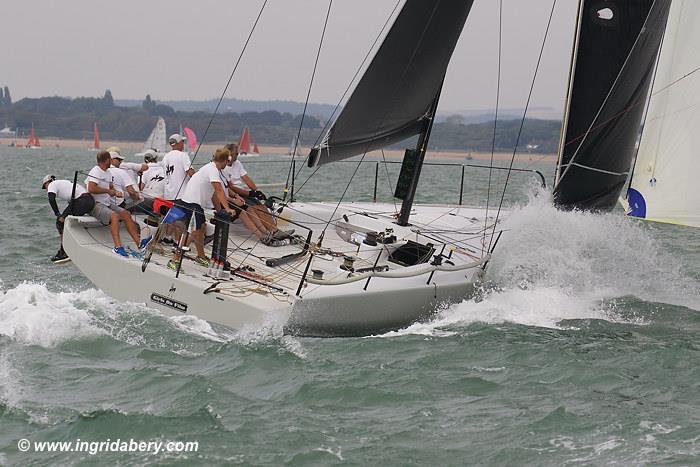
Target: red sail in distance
{"x":33,"y":138}
{"x":96,"y":143}
{"x":255,"y":147}
{"x":244,"y":142}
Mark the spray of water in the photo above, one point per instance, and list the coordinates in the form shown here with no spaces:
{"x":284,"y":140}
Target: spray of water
{"x":551,"y":266}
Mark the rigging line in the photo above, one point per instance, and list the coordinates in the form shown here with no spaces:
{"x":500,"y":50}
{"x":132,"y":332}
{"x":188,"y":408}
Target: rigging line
{"x":347,"y":89}
{"x":400,"y":80}
{"x":388,"y":181}
{"x":522,"y":122}
{"x":308,"y":96}
{"x":593,"y":126}
{"x":223,"y":94}
{"x":386,"y":111}
{"x":495,"y":120}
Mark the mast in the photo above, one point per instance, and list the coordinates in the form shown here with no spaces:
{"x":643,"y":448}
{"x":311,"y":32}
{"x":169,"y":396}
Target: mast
{"x":421,"y":148}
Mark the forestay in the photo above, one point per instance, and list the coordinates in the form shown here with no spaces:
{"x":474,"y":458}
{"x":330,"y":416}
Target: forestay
{"x":664,"y":185}
{"x":394,"y":96}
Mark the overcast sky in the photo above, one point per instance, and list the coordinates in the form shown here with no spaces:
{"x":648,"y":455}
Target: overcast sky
{"x":179,"y":49}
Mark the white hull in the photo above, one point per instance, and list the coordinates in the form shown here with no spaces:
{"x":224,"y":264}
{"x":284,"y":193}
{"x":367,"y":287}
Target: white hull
{"x":319,"y":309}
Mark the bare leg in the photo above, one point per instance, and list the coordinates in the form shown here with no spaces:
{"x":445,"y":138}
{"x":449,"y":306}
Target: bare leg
{"x":131,"y":226}
{"x":198,"y":238}
{"x":265,"y":217}
{"x":250,"y":224}
{"x":114,"y":229}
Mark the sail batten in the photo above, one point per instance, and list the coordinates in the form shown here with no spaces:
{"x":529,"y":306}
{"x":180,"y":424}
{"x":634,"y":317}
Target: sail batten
{"x":392,"y":100}
{"x":608,"y":89}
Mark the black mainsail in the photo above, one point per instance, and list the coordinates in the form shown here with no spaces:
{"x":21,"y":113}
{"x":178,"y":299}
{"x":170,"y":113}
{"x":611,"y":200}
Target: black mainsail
{"x":616,"y":47}
{"x":394,"y":97}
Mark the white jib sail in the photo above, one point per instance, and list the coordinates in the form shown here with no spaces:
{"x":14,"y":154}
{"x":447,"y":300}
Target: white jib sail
{"x":157,"y":139}
{"x":664,"y":186}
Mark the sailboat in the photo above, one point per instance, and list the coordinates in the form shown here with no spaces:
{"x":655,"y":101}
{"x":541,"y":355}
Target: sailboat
{"x":353,"y":270}
{"x":191,"y":139}
{"x":606,"y":99}
{"x":157,"y":140}
{"x":364,"y":268}
{"x":663,"y":186}
{"x":33,"y":141}
{"x":244,"y":143}
{"x":96,"y":138}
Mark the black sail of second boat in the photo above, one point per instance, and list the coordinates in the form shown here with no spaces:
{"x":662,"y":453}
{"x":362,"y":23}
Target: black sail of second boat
{"x":612,"y":68}
{"x":394,"y":96}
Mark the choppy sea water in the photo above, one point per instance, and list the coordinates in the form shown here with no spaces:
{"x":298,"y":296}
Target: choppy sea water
{"x":581,"y":348}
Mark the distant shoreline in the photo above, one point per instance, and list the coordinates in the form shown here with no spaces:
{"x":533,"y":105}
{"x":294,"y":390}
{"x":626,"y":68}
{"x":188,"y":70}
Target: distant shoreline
{"x":132,"y":147}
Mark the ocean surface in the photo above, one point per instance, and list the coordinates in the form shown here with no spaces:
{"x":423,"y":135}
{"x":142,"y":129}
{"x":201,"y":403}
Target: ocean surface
{"x":582,"y":347}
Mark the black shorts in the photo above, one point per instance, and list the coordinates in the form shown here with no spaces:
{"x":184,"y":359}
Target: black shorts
{"x":82,"y":205}
{"x":188,"y":209}
{"x":237,"y":208}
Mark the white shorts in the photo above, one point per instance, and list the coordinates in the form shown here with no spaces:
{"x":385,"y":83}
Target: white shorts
{"x":103,"y":212}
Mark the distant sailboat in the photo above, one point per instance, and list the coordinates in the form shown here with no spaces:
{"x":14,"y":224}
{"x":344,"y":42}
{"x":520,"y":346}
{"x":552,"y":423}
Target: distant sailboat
{"x":663,"y":184}
{"x":96,"y":138}
{"x":244,"y":144}
{"x":191,"y":139}
{"x":157,"y":140}
{"x":256,"y":151}
{"x":33,"y":142}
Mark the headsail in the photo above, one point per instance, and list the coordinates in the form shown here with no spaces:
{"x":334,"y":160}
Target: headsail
{"x":96,"y":135}
{"x":244,"y":142}
{"x":615,"y":52}
{"x":393,"y":97}
{"x":157,"y":140}
{"x":191,"y":139}
{"x":664,"y":182}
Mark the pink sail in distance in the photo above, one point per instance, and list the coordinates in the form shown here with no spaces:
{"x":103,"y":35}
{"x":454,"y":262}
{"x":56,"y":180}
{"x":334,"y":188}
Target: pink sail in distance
{"x":191,"y":139}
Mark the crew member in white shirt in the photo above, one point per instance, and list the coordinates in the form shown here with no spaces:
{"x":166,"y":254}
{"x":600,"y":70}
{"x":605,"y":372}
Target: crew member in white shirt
{"x":205,"y":187}
{"x":100,"y":184}
{"x":242,"y":185}
{"x":177,"y":166}
{"x":124,"y":181}
{"x":152,"y":181}
{"x":82,"y":204}
{"x":134,"y":169}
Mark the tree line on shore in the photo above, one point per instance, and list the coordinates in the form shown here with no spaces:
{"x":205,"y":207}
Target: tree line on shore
{"x":73,"y":118}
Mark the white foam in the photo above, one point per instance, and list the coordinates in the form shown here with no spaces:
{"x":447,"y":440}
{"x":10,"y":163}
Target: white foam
{"x":551,"y":266}
{"x":32,"y":315}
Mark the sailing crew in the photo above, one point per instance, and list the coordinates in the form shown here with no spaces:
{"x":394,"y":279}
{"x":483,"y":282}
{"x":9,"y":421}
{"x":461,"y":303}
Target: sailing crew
{"x":153,"y":181}
{"x":134,"y":169}
{"x":178,"y":170}
{"x":204,"y":187}
{"x":123,"y":181}
{"x":100,"y":184}
{"x":82,"y":204}
{"x":178,"y":167}
{"x":240,"y":184}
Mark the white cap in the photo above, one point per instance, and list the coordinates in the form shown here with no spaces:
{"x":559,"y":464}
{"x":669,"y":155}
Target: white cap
{"x":48,"y":178}
{"x":176,"y":138}
{"x":116,"y":155}
{"x":114,"y":149}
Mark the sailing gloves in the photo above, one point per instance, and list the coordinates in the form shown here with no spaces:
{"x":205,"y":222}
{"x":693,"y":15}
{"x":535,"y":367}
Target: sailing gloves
{"x":257,"y":194}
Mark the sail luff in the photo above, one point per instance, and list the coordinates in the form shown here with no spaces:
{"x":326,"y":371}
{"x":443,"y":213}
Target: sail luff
{"x":392,"y":100}
{"x":569,"y":91}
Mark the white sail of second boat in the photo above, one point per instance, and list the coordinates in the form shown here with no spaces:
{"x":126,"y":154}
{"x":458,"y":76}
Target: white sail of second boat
{"x":664,"y":184}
